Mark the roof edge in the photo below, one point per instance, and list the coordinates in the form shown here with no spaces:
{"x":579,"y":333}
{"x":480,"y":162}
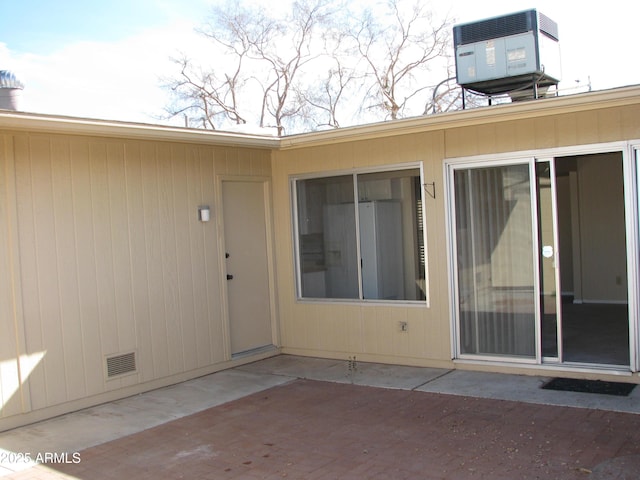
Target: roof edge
{"x":43,"y":123}
{"x":464,"y":118}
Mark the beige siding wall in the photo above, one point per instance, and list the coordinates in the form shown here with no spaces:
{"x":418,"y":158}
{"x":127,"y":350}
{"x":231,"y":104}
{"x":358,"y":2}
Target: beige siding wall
{"x":371,"y":332}
{"x":112,"y":259}
{"x":368,"y":331}
{"x":13,"y":398}
{"x":565,"y":130}
{"x":101,"y":253}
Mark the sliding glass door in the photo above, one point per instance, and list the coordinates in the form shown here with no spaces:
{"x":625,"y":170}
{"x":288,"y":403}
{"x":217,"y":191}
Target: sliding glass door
{"x":541,"y":260}
{"x":495,"y":271}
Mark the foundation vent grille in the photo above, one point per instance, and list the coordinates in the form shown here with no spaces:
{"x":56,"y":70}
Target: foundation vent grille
{"x":121,"y":364}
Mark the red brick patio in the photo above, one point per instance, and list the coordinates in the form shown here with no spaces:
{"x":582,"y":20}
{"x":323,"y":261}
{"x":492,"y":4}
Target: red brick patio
{"x":317,"y":430}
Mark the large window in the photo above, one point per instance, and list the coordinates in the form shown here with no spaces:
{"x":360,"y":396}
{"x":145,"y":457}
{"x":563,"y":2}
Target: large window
{"x":360,"y":236}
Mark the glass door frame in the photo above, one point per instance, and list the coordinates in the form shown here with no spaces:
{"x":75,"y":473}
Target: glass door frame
{"x":450,"y":169}
{"x":630,"y":151}
{"x":631,"y":170}
{"x":556,"y":257}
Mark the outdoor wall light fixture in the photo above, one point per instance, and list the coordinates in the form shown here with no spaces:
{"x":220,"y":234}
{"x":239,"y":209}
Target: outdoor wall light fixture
{"x":204,"y":213}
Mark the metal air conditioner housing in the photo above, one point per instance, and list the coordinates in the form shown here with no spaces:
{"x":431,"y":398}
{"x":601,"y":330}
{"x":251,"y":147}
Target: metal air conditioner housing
{"x":515,"y":54}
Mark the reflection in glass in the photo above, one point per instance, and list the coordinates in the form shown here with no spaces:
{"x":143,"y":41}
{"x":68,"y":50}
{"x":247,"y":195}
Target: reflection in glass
{"x":388,"y":263}
{"x":327,"y":238}
{"x":391,"y":235}
{"x":494,"y":261}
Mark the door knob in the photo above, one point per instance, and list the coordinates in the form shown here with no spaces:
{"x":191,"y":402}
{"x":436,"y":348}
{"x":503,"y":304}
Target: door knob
{"x":229,"y":277}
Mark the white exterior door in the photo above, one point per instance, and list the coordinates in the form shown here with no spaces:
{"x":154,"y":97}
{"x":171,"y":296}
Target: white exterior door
{"x":249,"y":301}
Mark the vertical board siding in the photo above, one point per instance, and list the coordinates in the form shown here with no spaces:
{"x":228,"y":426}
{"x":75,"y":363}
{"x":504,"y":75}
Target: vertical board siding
{"x":344,"y":329}
{"x":104,"y":249}
{"x":65,"y":241}
{"x":86,"y":271}
{"x":40,"y":292}
{"x":101,"y":252}
{"x":113,"y":259}
{"x":208,"y":264}
{"x":140,"y":252}
{"x":171,"y":327}
{"x":186,"y":224}
{"x":9,"y":373}
{"x":11,"y":396}
{"x":158,"y":339}
{"x":120,"y":232}
{"x":197,"y":191}
{"x":339,"y":329}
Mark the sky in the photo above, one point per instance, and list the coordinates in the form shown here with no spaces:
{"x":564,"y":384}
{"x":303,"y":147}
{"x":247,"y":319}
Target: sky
{"x":106,"y":59}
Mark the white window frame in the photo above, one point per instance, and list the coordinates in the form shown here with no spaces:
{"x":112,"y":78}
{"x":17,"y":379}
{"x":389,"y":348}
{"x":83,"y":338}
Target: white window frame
{"x":355,"y":172}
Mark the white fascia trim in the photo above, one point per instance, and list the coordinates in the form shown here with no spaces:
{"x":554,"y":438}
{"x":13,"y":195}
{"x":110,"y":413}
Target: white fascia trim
{"x":20,"y":121}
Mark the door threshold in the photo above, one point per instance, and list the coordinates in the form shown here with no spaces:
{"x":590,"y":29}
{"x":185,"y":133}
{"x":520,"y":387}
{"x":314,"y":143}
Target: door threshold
{"x":542,"y":368}
{"x":551,"y":362}
{"x":253,"y":351}
{"x":597,"y":366}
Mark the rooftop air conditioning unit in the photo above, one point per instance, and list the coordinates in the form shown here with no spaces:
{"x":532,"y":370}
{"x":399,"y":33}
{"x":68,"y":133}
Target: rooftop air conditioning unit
{"x":516,"y":54}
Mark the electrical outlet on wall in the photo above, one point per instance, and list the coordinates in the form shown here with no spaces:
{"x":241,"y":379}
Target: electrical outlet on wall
{"x":404,"y":326}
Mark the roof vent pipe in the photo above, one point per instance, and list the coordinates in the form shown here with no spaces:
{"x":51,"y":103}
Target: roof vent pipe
{"x":10,"y":91}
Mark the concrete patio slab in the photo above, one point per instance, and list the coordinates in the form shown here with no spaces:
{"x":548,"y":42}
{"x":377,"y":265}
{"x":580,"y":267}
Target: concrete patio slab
{"x":344,"y":371}
{"x":522,"y":388}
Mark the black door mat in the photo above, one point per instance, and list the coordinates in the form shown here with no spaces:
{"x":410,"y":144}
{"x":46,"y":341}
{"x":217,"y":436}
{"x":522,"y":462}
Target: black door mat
{"x":590,"y":386}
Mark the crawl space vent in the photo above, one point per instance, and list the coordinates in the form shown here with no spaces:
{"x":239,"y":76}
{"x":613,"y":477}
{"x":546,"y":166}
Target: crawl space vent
{"x":121,"y":364}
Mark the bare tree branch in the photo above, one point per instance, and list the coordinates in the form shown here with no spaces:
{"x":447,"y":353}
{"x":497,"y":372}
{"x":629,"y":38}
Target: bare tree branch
{"x":321,"y":62}
{"x":397,"y":52}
